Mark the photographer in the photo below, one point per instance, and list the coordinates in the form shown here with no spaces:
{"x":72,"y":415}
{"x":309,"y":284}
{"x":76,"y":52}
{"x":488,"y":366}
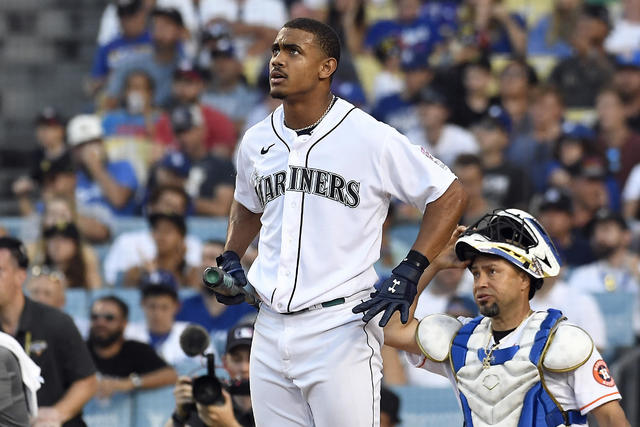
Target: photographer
{"x":236,"y":410}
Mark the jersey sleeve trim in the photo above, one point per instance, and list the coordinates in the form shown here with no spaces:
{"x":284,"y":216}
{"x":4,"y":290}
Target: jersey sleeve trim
{"x":610,"y":395}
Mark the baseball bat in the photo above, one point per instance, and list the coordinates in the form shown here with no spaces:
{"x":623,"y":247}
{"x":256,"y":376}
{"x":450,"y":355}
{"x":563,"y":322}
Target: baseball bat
{"x":223,"y":283}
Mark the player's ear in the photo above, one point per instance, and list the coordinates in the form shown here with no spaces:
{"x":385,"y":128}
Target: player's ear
{"x":327,"y":68}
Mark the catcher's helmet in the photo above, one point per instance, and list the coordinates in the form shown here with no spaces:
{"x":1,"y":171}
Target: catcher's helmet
{"x":517,"y":237}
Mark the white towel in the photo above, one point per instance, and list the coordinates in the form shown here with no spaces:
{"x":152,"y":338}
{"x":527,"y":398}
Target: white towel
{"x":30,"y":371}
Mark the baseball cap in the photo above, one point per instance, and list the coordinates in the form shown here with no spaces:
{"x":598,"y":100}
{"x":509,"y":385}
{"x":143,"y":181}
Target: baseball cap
{"x":215,"y":31}
{"x":177,"y":162}
{"x":190,"y":72}
{"x":593,"y":167}
{"x":431,"y":95}
{"x":49,"y":116}
{"x":223,"y":47}
{"x":495,"y":118}
{"x":414,"y":60}
{"x":177,"y":219}
{"x":185,"y":117}
{"x":556,"y":199}
{"x":17,"y":249}
{"x":84,"y":128}
{"x":390,"y":404}
{"x":170,"y":13}
{"x":607,"y":215}
{"x":572,"y":130}
{"x":239,"y":335}
{"x":350,"y":91}
{"x":128,"y":7}
{"x":159,"y":282}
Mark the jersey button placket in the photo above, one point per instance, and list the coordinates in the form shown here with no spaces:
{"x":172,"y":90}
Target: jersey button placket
{"x":291,"y":218}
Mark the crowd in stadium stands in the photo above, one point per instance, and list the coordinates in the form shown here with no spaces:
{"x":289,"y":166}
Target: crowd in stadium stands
{"x":533,"y":104}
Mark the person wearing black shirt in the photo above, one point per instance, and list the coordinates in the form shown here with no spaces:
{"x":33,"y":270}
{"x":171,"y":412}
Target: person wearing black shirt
{"x":123,"y":365}
{"x":211,"y":178}
{"x":50,"y":338}
{"x":504,"y":183}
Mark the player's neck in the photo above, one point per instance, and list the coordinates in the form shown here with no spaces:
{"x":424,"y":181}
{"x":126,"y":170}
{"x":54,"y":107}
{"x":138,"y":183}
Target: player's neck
{"x":511,"y":319}
{"x":303,"y":112}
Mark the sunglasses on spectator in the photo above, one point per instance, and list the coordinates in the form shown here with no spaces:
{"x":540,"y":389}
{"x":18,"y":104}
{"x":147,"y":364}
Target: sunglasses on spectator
{"x":109,"y":317}
{"x":46,"y":271}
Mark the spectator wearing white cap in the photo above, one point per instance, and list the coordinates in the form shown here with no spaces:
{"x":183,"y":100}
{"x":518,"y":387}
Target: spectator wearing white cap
{"x":99,"y":180}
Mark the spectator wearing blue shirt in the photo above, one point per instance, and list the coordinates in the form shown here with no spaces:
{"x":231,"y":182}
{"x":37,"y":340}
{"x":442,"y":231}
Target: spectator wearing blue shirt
{"x":399,"y":109}
{"x":138,"y":117}
{"x":490,"y":27}
{"x":100,"y":181}
{"x":556,"y":216}
{"x":416,"y":33}
{"x":533,"y":149}
{"x":167,"y":34}
{"x":133,"y":43}
{"x":551,"y":35}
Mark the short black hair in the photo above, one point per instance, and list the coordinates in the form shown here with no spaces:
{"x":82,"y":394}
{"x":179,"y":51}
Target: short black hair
{"x":467,"y":159}
{"x":326,"y":36}
{"x":17,"y":251}
{"x":124,"y":308}
{"x":158,"y":191}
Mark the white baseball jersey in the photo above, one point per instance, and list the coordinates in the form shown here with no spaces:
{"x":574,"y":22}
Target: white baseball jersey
{"x":323,"y":199}
{"x":582,"y":389}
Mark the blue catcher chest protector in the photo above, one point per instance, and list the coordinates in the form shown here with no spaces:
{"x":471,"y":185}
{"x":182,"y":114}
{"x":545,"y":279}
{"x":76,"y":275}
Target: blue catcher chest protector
{"x":505,"y":387}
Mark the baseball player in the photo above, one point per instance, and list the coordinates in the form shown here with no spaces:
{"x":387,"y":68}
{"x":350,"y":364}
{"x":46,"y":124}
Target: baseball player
{"x":511,"y":366}
{"x":315,"y":179}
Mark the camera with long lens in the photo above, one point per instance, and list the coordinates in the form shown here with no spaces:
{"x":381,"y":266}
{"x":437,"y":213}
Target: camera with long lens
{"x":207,"y":389}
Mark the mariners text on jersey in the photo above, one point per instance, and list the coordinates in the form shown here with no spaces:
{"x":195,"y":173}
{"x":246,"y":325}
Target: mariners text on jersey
{"x":311,"y":181}
{"x":322,"y":200}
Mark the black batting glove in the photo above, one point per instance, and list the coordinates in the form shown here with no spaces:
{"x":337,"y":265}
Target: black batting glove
{"x":229,"y":261}
{"x":397,"y":292}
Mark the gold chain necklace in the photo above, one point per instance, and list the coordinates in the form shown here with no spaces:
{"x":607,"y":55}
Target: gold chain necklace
{"x":320,"y":119}
{"x":486,"y":362}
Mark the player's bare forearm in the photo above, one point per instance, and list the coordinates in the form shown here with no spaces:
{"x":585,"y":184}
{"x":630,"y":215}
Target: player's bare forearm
{"x":440,"y":218}
{"x":611,"y":414}
{"x":244,"y":226}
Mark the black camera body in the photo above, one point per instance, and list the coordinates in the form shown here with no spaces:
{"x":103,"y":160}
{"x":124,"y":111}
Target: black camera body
{"x":207,"y":389}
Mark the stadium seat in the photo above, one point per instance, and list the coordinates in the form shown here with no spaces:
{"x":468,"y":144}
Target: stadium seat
{"x":421,"y":406}
{"x":208,"y":228}
{"x":115,"y":411}
{"x":76,"y":303}
{"x":152,"y":408}
{"x":13,"y":225}
{"x":617,"y":309}
{"x":407,"y":232}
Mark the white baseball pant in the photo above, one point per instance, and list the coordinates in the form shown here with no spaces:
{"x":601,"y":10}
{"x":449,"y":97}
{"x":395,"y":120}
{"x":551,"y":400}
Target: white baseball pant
{"x":318,"y":368}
